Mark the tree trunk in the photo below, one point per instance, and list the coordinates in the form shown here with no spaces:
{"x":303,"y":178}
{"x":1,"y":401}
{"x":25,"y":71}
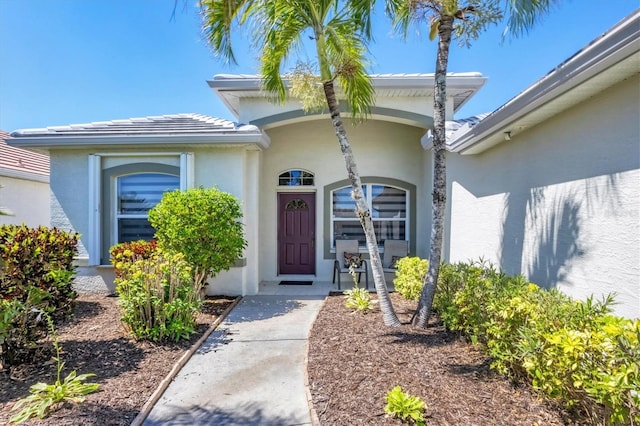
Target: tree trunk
{"x":388,"y":314}
{"x":439,"y":194}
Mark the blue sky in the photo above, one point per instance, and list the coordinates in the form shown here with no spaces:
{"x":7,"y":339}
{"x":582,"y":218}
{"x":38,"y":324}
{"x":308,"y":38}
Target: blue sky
{"x":78,"y":61}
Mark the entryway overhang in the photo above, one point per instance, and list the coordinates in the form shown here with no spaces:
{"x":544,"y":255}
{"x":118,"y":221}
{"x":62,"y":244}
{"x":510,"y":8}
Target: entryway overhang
{"x":404,"y":98}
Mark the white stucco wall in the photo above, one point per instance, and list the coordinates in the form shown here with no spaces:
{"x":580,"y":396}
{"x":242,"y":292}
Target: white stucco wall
{"x":227,"y":169}
{"x":69,"y":209}
{"x":256,"y":108}
{"x":27,"y":198}
{"x":233,"y":170}
{"x":70,"y":194}
{"x":381,"y":149}
{"x":560,"y":203}
{"x":415,"y":104}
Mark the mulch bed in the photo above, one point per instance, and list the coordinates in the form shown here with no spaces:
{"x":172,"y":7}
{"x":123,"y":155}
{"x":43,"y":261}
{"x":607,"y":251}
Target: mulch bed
{"x":128,"y":371}
{"x":354,"y":360}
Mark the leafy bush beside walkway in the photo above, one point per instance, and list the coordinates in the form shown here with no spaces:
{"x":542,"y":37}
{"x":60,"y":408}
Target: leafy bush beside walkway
{"x":573,"y":351}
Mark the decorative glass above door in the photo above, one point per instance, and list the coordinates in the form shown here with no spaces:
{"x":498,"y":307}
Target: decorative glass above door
{"x":296,"y":178}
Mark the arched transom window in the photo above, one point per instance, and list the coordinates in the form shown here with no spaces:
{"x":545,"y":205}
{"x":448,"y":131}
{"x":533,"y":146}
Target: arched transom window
{"x":296,"y":178}
{"x":389,"y":208}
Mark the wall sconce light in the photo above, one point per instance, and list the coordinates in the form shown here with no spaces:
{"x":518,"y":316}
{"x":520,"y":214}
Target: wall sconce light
{"x":507,"y":136}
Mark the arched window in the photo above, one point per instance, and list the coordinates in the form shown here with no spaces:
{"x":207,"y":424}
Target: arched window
{"x":389,"y":206}
{"x":127,"y":191}
{"x":296,"y":178}
{"x":136,"y":195}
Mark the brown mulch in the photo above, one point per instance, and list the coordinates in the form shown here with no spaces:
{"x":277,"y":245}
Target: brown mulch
{"x":128,"y":371}
{"x":354,"y":360}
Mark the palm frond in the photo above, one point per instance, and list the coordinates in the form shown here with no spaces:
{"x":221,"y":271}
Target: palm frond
{"x":522,"y":15}
{"x":400,"y":12}
{"x":359,"y":93}
{"x":218,"y":18}
{"x":406,"y":14}
{"x":280,"y":28}
{"x":361,"y":12}
{"x":341,"y":30}
{"x":347,"y":49}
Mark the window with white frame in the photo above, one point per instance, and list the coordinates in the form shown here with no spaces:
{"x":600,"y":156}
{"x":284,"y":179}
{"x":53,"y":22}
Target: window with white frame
{"x":124,"y":187}
{"x":389,"y":206}
{"x":136,"y":194}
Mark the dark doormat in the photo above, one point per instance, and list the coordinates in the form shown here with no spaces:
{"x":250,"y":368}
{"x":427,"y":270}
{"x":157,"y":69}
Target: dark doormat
{"x":296,"y":282}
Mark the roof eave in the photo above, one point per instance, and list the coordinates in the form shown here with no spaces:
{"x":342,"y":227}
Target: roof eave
{"x":242,"y":82}
{"x":24,"y":175}
{"x":617,"y":46}
{"x":229,"y":88}
{"x":261,"y":140}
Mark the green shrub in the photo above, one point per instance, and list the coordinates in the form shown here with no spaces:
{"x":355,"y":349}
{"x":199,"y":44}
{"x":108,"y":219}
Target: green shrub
{"x":517,"y":321}
{"x":158,"y":299}
{"x":572,"y":351}
{"x":204,"y":225}
{"x":127,"y":253}
{"x":358,"y":299}
{"x":465,"y":291}
{"x":410,"y":275}
{"x":10,"y":310}
{"x":45,"y":397}
{"x":594,"y":357}
{"x":36,"y":272}
{"x":21,"y":329}
{"x":42,"y":258}
{"x":408,"y":408}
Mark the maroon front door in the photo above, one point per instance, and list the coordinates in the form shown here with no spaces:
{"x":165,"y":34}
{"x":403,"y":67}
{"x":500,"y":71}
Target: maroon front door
{"x":296,"y":233}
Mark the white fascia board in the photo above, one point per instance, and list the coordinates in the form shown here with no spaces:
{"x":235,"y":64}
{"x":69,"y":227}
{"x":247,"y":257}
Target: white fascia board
{"x":230,"y":88}
{"x":456,"y":81}
{"x":224,"y":86}
{"x":232,"y":83}
{"x":613,"y":47}
{"x":236,"y":81}
{"x":259,"y":139}
{"x":20,"y":174}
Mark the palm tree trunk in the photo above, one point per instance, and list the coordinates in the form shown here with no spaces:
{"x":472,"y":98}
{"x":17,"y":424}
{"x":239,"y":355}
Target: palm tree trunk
{"x":388,"y":313}
{"x":439,"y":194}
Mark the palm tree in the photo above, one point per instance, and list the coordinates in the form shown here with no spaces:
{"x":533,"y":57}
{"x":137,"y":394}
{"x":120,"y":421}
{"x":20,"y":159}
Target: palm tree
{"x":447,"y":18}
{"x":340,"y":31}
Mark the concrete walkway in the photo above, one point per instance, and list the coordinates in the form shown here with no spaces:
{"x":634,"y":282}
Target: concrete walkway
{"x":249,"y":371}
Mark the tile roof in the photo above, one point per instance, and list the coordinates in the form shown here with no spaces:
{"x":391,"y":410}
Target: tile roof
{"x":453,"y":129}
{"x":21,"y":160}
{"x":176,"y":124}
